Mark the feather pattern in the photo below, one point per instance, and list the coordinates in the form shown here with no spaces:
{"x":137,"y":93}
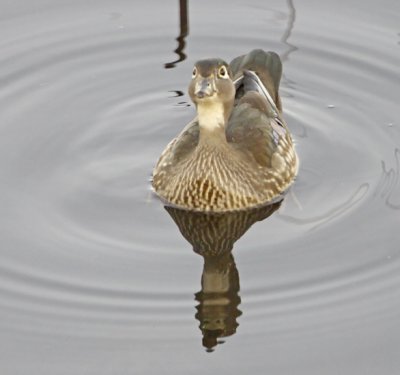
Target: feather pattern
{"x":248,"y":163}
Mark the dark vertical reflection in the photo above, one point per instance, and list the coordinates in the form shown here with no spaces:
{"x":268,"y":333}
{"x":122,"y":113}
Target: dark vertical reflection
{"x":288,"y":31}
{"x":213,"y":237}
{"x":184,"y":31}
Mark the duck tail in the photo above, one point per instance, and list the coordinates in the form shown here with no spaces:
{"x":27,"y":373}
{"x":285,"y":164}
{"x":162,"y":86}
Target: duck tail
{"x":267,"y":65}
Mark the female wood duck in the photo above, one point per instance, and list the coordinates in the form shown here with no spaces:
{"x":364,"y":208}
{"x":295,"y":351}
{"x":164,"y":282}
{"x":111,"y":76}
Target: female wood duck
{"x":237,"y":153}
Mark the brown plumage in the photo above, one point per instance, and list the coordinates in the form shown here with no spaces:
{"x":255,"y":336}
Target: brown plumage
{"x":237,"y":153}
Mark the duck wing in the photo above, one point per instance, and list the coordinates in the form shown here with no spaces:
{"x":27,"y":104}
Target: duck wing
{"x":255,"y":126}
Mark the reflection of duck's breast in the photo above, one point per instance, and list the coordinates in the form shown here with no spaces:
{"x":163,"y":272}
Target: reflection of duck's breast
{"x":213,"y":234}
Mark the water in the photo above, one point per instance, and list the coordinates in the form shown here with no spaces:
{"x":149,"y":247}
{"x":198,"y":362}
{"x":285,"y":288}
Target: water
{"x":95,"y":275}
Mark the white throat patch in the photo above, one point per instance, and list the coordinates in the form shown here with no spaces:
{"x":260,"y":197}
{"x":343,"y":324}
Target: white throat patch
{"x":211,"y":115}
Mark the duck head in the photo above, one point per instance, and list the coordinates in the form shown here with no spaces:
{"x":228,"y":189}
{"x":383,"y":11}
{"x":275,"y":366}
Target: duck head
{"x":212,"y":91}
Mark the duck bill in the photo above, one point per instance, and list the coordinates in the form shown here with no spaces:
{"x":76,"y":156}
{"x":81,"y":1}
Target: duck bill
{"x":204,"y":88}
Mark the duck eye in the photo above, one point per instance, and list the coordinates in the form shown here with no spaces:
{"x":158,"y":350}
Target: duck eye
{"x":194,"y":72}
{"x":222,"y":72}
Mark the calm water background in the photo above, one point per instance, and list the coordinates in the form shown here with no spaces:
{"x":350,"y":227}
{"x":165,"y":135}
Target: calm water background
{"x":95,"y":277}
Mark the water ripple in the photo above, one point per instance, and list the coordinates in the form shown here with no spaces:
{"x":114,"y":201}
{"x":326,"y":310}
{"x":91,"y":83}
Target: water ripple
{"x":87,"y":107}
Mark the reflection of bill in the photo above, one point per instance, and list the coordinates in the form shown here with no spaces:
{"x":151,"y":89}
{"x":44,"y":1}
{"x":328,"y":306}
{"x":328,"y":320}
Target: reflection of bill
{"x":218,"y":299}
{"x":213,"y":236}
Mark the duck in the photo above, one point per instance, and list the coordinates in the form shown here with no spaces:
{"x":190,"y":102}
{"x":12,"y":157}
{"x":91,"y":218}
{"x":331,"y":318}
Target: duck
{"x":237,"y":153}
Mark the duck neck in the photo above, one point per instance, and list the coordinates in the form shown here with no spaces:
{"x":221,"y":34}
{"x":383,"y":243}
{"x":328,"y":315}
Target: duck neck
{"x":212,"y":118}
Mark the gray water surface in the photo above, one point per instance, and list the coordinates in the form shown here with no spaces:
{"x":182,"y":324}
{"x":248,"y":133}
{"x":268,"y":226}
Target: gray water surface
{"x":97,"y":277}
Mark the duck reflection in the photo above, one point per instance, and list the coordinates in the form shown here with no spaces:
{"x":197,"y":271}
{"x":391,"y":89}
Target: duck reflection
{"x":213,"y":236}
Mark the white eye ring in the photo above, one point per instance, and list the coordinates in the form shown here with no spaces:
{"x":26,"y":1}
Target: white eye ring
{"x":222,"y":72}
{"x":194,"y":72}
